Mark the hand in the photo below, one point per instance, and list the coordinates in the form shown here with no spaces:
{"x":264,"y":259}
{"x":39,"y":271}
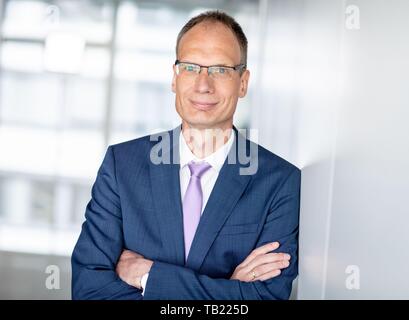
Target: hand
{"x":131,"y":267}
{"x":261,"y":265}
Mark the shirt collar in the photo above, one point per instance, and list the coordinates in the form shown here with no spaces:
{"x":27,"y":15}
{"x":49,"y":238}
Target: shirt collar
{"x":216,"y":159}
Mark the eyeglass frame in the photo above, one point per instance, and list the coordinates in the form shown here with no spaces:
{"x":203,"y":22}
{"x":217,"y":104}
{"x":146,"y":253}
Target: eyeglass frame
{"x":240,"y":67}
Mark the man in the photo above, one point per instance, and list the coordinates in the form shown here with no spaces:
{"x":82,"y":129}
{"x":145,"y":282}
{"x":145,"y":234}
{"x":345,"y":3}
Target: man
{"x":197,"y":227}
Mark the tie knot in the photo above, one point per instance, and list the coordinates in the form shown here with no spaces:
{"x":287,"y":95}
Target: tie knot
{"x":197,"y":169}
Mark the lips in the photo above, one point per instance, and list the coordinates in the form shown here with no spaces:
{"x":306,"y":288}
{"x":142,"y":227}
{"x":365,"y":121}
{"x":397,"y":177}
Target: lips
{"x":203,"y":105}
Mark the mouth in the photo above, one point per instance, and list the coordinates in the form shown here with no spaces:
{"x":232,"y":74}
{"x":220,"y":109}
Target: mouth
{"x":203,"y":105}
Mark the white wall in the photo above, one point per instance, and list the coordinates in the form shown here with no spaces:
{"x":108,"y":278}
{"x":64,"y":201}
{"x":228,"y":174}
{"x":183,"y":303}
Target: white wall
{"x":335,"y":102}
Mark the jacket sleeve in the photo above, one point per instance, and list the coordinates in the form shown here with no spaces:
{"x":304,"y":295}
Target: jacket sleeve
{"x":167,"y":281}
{"x":101,"y":242}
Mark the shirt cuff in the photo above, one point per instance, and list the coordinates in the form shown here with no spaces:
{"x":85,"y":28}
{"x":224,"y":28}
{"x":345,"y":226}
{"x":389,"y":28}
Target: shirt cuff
{"x":144,"y":279}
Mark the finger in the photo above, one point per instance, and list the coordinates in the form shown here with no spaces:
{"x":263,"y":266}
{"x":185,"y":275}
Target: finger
{"x":268,"y":275}
{"x":130,"y":254}
{"x":259,"y":251}
{"x":265,"y":268}
{"x":268,"y":267}
{"x":266,"y":258}
{"x":122,"y":257}
{"x":126,"y":253}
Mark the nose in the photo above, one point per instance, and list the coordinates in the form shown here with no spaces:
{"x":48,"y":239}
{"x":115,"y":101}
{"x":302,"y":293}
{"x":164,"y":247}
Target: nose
{"x":204,"y":84}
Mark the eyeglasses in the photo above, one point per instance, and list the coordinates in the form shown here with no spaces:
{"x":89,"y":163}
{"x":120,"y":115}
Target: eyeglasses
{"x":191,"y":70}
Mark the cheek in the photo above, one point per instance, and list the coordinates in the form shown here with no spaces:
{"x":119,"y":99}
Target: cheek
{"x":182,"y":91}
{"x":230,"y":98}
{"x":233,"y":89}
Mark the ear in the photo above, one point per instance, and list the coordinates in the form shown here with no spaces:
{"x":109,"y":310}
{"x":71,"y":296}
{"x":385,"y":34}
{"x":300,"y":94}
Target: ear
{"x":244,"y":82}
{"x":174,"y":79}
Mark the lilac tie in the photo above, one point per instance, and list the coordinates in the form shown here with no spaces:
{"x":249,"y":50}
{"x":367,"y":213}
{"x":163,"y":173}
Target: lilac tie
{"x":192,"y":202}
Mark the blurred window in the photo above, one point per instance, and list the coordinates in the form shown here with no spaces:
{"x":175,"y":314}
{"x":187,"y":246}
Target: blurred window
{"x":76,"y":76}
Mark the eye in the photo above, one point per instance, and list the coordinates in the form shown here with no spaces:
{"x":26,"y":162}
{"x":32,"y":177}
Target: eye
{"x":189,"y":67}
{"x":219,"y":70}
{"x":222,"y":71}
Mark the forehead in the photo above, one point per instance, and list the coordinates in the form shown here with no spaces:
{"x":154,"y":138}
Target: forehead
{"x":210,"y":41}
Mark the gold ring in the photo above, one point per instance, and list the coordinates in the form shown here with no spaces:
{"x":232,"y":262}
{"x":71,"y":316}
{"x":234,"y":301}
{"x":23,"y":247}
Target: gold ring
{"x":254,"y":275}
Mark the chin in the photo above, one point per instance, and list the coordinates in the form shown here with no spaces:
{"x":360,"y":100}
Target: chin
{"x":198,"y":118}
{"x":200,"y":124}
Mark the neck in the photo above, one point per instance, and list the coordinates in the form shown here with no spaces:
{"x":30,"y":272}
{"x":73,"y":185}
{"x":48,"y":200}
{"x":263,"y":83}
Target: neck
{"x":205,"y":141}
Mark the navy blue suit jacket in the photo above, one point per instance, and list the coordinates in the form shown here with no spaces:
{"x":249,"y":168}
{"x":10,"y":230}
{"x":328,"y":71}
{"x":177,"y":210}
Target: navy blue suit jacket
{"x":136,"y":205}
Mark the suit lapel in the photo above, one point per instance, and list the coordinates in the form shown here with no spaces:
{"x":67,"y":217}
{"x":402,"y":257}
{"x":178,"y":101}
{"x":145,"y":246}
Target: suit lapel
{"x":165,"y":182}
{"x":228,"y":189}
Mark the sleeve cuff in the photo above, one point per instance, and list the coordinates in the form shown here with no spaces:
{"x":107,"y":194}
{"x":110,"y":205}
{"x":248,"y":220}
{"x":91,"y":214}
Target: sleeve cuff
{"x":144,"y":279}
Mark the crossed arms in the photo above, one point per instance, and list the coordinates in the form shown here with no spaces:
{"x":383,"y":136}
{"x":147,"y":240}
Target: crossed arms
{"x":102,"y":269}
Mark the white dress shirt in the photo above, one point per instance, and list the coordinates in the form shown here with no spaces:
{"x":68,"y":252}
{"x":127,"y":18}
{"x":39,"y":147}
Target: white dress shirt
{"x":208,"y":180}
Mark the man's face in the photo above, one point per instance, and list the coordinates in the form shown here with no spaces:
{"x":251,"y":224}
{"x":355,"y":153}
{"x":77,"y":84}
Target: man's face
{"x":202,"y":101}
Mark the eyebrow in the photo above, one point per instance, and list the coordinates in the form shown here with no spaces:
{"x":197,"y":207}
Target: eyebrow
{"x":221,"y":65}
{"x":212,"y":65}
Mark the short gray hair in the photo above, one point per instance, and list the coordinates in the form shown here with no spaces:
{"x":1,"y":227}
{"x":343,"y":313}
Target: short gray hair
{"x":223,"y":18}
